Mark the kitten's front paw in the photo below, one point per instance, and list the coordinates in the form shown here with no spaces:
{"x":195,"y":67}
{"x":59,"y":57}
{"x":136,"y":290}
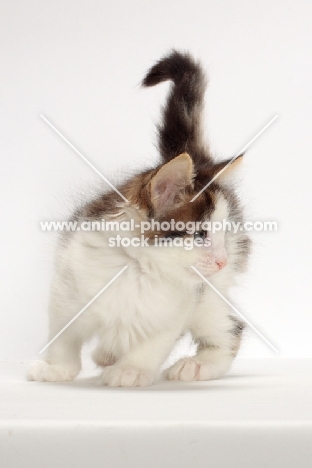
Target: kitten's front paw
{"x":191,"y":368}
{"x":118,"y":376}
{"x":44,"y":372}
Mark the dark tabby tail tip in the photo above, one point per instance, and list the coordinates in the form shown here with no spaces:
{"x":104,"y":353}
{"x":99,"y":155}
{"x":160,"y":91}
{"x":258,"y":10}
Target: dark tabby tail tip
{"x":171,"y":67}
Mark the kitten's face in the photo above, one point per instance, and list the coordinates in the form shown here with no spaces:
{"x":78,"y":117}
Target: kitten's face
{"x":166,"y":199}
{"x":202,"y":249}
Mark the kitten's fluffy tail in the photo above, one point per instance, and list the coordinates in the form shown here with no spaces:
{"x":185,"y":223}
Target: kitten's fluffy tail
{"x":180,"y":130}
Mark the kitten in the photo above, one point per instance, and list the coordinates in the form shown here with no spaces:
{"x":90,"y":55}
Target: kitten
{"x":159,"y":297}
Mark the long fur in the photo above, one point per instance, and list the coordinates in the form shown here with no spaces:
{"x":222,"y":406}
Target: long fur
{"x":181,"y":128}
{"x":141,"y":315}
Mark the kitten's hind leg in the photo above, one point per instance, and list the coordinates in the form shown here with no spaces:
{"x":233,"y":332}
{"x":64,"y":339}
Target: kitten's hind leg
{"x":141,"y":365}
{"x":218,"y":335}
{"x":102,"y":358}
{"x":62,"y":363}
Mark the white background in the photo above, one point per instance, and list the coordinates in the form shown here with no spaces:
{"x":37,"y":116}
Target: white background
{"x":80,"y":64}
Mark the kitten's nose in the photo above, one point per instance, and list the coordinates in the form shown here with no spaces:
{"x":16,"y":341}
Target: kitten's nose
{"x":221,"y":263}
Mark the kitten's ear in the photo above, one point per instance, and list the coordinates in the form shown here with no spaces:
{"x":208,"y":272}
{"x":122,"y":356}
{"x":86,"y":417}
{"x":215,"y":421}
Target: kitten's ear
{"x":169,"y":184}
{"x":228,"y":168}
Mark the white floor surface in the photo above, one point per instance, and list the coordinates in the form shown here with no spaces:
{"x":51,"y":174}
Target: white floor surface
{"x":257,"y":416}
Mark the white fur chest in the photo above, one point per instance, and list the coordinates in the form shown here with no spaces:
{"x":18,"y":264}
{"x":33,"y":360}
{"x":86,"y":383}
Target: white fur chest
{"x":136,"y":305}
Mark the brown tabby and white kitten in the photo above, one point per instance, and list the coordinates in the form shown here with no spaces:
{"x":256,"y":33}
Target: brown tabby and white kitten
{"x":159,"y":297}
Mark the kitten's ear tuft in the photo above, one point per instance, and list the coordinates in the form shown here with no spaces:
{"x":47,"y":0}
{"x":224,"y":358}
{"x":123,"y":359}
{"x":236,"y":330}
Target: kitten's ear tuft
{"x":169,"y":184}
{"x":228,"y":168}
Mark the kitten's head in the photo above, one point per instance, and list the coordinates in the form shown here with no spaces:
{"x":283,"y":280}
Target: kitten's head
{"x":169,"y":198}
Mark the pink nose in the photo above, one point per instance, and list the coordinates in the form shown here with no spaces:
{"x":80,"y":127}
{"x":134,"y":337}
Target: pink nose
{"x":221,"y":263}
